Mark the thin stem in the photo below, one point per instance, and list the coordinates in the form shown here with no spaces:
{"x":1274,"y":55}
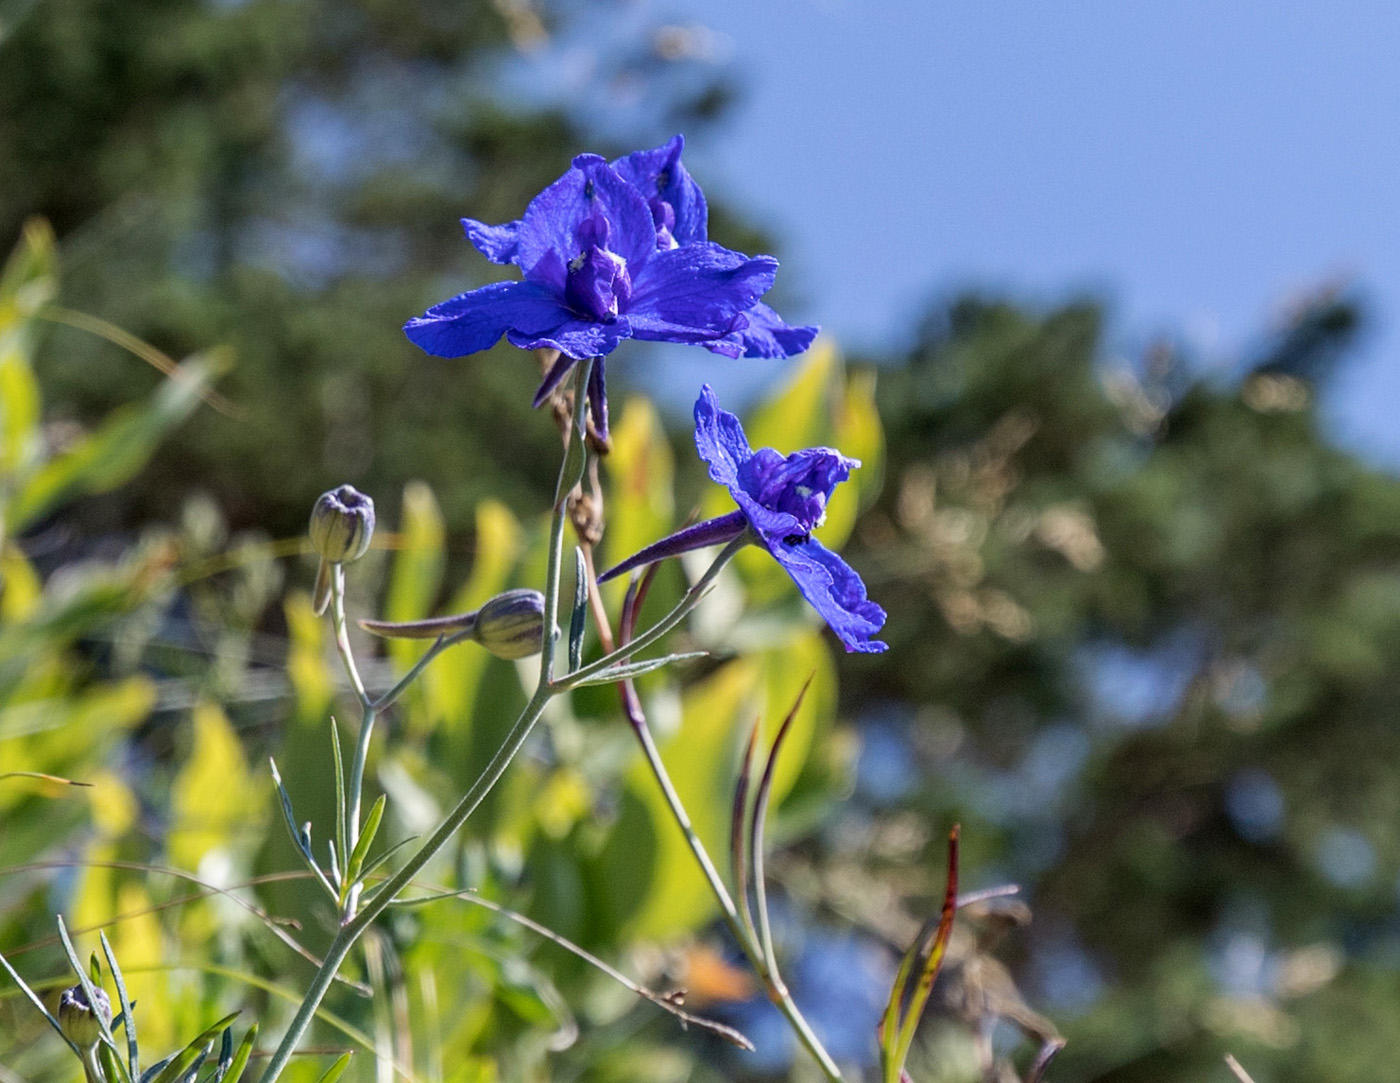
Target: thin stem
{"x":767,"y":972}
{"x":342,"y":636}
{"x":439,"y":645}
{"x":688,"y":602}
{"x":386,"y":894}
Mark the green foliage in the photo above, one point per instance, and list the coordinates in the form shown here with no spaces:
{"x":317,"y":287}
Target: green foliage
{"x":1160,"y":607}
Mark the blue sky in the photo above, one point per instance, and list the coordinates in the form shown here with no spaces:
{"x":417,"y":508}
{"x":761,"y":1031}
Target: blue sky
{"x":1194,"y":164}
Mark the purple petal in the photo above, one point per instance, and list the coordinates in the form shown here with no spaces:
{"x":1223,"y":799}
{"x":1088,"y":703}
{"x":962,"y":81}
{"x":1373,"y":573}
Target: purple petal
{"x":499,"y":244}
{"x":697,"y":292}
{"x":710,"y":532}
{"x":474,"y":321}
{"x":720,"y":440}
{"x":659,"y":175}
{"x":575,"y":337}
{"x":834,"y":590}
{"x":590,"y":187}
{"x":598,"y":398}
{"x":557,"y":371}
{"x":768,"y":336}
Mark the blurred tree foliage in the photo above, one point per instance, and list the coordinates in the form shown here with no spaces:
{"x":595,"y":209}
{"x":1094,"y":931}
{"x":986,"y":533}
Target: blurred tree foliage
{"x":1145,"y":642}
{"x":286,"y":177}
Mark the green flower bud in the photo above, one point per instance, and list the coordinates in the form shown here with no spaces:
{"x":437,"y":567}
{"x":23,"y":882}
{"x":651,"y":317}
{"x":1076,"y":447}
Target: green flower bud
{"x":77,"y":1019}
{"x":342,"y":523}
{"x":511,"y":625}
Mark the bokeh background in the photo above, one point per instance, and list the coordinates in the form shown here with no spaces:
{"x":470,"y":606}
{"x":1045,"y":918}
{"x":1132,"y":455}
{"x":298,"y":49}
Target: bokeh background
{"x":1122,"y":281}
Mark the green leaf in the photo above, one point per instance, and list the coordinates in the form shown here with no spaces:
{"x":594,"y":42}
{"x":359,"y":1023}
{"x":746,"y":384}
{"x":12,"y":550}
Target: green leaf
{"x":120,"y":447}
{"x":357,"y":859}
{"x":195,"y":1051}
{"x":578,"y":620}
{"x":335,"y":1071}
{"x":628,"y":670}
{"x":124,"y":1004}
{"x":233,"y":1071}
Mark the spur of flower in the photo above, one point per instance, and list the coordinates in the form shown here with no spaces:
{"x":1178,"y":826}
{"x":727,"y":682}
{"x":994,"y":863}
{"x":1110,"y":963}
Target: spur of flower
{"x":594,"y":275}
{"x":782,"y":499}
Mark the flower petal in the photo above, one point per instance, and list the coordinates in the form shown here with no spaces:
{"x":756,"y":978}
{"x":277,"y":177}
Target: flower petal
{"x":658,"y":174}
{"x":588,"y":189}
{"x":696,"y":293}
{"x":720,"y":440}
{"x":499,"y":244}
{"x":834,"y":590}
{"x":575,"y":337}
{"x":474,"y":321}
{"x":698,"y":536}
{"x":767,"y":335}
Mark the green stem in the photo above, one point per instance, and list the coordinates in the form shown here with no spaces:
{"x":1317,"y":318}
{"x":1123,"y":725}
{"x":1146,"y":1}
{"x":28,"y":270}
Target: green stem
{"x":385,"y":895}
{"x":688,"y":602}
{"x":761,"y":959}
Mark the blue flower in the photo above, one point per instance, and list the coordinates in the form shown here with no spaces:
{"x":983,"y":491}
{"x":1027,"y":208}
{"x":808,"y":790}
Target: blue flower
{"x":595,"y":274}
{"x":782,"y":499}
{"x":681,"y":216}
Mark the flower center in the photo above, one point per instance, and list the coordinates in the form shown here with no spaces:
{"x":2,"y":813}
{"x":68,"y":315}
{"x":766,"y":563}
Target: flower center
{"x":598,"y":285}
{"x":798,"y":484}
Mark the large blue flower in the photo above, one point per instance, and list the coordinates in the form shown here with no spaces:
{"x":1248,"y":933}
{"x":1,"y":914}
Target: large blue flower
{"x":595,"y":275}
{"x":681,"y":217}
{"x":782,"y":499}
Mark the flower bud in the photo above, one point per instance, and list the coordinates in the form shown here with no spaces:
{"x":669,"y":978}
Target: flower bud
{"x":342,"y":523}
{"x":511,"y":625}
{"x":76,"y":1018}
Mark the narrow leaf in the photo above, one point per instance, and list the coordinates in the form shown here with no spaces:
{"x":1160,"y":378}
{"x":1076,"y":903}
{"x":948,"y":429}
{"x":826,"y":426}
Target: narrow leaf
{"x":128,"y":1017}
{"x":760,"y":814}
{"x":578,"y":621}
{"x":335,"y":1071}
{"x":357,"y":859}
{"x":933,"y":960}
{"x":627,"y":670}
{"x":225,"y":1055}
{"x":390,"y":852}
{"x":341,"y":827}
{"x":738,"y":818}
{"x":91,"y":991}
{"x":231,"y":1072}
{"x":196,"y":1050}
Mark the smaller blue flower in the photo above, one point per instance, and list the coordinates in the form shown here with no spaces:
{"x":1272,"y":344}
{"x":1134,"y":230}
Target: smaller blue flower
{"x":782,"y":499}
{"x":594,"y":276}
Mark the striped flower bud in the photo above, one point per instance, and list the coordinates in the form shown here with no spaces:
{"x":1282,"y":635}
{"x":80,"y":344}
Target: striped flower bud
{"x":342,"y":523}
{"x":511,"y":625}
{"x":77,"y":1019}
